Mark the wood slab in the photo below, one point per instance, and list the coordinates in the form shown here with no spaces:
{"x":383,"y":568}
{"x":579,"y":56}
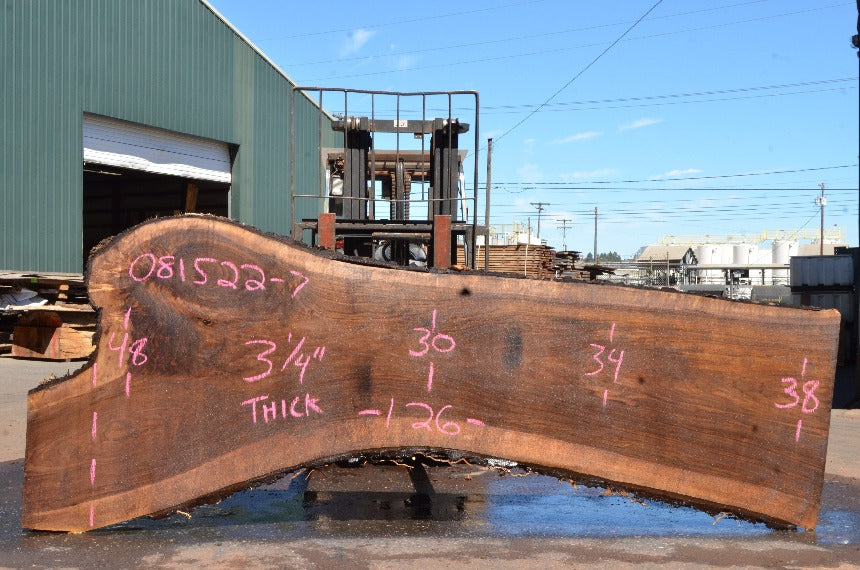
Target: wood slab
{"x":53,"y":335}
{"x":226,"y":356}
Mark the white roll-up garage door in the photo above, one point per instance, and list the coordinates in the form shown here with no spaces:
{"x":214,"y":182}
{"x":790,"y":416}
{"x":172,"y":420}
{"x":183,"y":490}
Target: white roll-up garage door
{"x":139,"y":147}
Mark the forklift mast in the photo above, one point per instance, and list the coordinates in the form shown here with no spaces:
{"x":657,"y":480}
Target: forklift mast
{"x":365,"y":196}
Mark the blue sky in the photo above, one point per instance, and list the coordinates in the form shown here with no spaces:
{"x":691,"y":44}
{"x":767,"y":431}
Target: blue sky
{"x":707,"y":117}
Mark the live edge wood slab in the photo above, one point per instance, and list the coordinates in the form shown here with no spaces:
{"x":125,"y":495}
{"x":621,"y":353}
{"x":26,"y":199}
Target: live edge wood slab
{"x":226,"y":357}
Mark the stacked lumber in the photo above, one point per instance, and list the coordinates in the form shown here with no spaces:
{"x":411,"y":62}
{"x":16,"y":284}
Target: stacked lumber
{"x":45,"y":316}
{"x":55,"y":287}
{"x":531,"y":261}
{"x":54,"y":334}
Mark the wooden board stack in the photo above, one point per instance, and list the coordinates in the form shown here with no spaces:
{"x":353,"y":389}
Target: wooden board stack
{"x":532,"y":261}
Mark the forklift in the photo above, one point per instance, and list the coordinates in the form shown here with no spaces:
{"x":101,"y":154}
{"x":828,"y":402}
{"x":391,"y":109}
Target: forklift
{"x":366,"y":197}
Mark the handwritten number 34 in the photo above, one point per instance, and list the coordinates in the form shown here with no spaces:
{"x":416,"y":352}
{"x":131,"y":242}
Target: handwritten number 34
{"x":615,"y":357}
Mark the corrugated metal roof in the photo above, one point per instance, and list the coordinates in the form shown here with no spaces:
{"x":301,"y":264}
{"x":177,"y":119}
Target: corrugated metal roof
{"x":176,"y":65}
{"x":659,"y":253}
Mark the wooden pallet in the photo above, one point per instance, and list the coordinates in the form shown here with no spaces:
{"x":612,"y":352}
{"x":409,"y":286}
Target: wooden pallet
{"x":227,"y":357}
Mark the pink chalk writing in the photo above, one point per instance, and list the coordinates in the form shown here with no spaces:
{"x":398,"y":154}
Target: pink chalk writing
{"x":432,"y":422}
{"x":431,"y":340}
{"x":230,"y":282}
{"x":430,"y":377}
{"x":426,"y":423}
{"x":297,"y":358}
{"x":135,"y":350}
{"x":288,"y":408}
{"x":254,"y":284}
{"x":92,"y":515}
{"x":615,"y":357}
{"x":438,"y":342}
{"x":262,"y":358}
{"x":808,"y":404}
{"x":300,"y":285}
{"x":130,"y":352}
{"x":203,"y":276}
{"x":223,"y":273}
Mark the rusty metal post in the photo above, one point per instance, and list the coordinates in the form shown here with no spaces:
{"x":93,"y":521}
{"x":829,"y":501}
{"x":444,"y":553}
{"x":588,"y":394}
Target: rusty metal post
{"x":441,"y":241}
{"x":325,"y":231}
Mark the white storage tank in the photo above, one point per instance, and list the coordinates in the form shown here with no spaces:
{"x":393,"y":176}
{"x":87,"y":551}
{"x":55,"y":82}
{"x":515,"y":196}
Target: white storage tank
{"x":742,"y":253}
{"x":705,"y":256}
{"x":725,"y":253}
{"x":782,"y":250}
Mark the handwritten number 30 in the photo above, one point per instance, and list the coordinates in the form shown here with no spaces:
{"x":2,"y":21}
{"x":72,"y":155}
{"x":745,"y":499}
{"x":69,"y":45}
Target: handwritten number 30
{"x":447,"y":345}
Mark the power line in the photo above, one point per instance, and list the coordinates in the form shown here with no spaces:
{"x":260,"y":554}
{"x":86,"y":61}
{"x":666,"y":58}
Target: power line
{"x":399,"y":22}
{"x":570,"y":48}
{"x":505,"y":40}
{"x":578,"y":75}
{"x":662,"y":100}
{"x":556,"y":185}
{"x":672,"y":99}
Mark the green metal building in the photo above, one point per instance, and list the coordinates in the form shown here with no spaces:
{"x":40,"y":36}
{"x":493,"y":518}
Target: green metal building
{"x":114,"y":111}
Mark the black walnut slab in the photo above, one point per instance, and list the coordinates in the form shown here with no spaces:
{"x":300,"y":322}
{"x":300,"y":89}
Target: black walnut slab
{"x":226,"y":356}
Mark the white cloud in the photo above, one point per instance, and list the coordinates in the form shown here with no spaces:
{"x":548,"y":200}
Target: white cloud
{"x":639,"y":123}
{"x":355,"y":41}
{"x":405,"y":62}
{"x":577,"y":137}
{"x":529,"y":145}
{"x":676,"y":173}
{"x":673,"y":173}
{"x":587,"y":174}
{"x":530,"y":172}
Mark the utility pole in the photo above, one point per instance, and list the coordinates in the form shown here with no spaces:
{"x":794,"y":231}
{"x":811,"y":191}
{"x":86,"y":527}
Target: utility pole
{"x":595,"y":234}
{"x":487,"y":206}
{"x":564,"y":233}
{"x":821,"y":201}
{"x":540,"y":207}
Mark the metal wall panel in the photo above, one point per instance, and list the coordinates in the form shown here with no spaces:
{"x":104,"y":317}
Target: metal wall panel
{"x":822,"y":271}
{"x":166,"y":63}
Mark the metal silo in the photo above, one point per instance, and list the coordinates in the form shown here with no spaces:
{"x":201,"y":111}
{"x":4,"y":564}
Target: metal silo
{"x":781,"y":251}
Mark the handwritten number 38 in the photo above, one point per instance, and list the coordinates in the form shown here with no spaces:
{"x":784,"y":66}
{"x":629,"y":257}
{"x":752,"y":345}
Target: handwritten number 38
{"x":809,"y":388}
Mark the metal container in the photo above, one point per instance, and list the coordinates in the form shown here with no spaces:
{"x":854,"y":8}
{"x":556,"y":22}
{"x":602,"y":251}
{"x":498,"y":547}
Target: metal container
{"x":822,"y":271}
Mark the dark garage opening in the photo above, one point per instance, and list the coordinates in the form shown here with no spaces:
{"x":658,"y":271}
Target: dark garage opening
{"x":116,"y":199}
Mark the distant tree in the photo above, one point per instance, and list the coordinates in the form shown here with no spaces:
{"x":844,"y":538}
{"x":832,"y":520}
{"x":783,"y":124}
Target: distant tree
{"x":610,"y":256}
{"x":589,"y":257}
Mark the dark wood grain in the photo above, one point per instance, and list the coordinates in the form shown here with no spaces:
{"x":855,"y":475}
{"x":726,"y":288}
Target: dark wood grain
{"x":199,"y":388}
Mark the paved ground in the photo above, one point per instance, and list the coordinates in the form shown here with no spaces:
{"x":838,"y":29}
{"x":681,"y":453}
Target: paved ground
{"x":427,"y":517}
